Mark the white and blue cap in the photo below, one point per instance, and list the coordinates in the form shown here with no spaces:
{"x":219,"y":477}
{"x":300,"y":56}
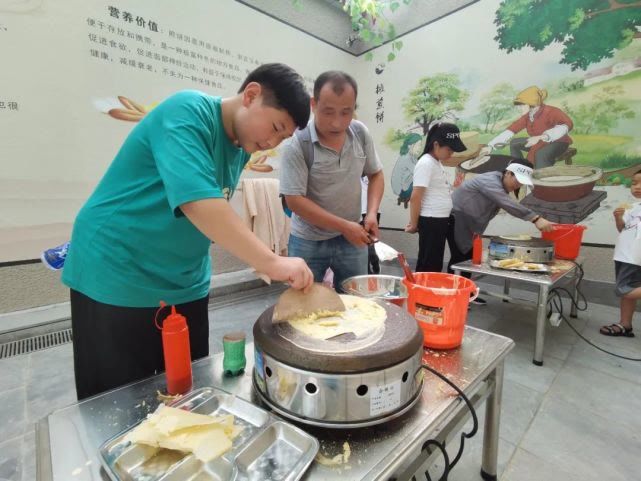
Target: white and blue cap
{"x":523,"y":173}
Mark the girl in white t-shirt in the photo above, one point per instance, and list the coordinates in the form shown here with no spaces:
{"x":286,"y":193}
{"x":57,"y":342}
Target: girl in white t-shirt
{"x":431,"y":201}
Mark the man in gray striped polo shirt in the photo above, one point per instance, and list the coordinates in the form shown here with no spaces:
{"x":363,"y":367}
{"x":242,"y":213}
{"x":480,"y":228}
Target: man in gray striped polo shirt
{"x":320,"y":180}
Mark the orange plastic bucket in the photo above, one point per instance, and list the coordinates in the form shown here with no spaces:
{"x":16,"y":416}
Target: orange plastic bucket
{"x":439,"y":303}
{"x":567,"y":240}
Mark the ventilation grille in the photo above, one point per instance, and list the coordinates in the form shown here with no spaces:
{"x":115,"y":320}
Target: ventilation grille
{"x":36,"y":343}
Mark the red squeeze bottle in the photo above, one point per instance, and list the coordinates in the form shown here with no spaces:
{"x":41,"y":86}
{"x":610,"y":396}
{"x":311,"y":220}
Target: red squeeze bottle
{"x":176,"y":351}
{"x":477,"y":249}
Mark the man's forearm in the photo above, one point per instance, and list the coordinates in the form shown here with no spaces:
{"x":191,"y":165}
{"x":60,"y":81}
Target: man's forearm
{"x":375,"y":189}
{"x":314,"y":213}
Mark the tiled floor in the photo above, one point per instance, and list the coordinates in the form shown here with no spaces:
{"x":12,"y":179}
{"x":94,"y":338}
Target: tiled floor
{"x":575,"y":418}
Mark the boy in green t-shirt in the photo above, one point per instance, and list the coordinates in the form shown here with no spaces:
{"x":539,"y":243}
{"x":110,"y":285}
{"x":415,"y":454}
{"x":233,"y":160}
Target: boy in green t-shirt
{"x":144,"y":234}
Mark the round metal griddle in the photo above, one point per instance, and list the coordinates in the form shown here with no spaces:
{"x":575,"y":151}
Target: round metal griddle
{"x":400,"y":341}
{"x":354,"y":388}
{"x":532,"y":250}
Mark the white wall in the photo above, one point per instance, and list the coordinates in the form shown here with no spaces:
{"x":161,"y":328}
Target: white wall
{"x":58,"y":143}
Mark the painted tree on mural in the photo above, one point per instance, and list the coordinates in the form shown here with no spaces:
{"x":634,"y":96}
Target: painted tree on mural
{"x":602,"y":114}
{"x":497,"y":104}
{"x":434,"y":98}
{"x":590,"y":30}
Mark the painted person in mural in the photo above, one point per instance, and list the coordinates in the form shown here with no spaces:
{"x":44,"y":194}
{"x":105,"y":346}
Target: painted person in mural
{"x":431,"y":201}
{"x":627,"y":260}
{"x":144,"y":235}
{"x":547,"y":128}
{"x":477,"y":201}
{"x":320,"y":179}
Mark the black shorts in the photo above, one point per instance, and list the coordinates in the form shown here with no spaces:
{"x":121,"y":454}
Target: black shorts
{"x":628,"y":277}
{"x":114,"y":345}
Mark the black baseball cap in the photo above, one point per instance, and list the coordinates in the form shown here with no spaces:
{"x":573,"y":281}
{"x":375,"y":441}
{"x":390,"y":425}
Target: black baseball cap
{"x":448,"y":134}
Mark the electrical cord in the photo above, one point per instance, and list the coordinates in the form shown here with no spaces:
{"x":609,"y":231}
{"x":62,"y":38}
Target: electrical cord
{"x":555,"y":303}
{"x":441,"y":446}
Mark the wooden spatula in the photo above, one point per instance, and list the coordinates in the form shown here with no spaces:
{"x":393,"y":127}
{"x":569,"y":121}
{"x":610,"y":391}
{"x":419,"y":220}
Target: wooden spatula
{"x":294,"y":303}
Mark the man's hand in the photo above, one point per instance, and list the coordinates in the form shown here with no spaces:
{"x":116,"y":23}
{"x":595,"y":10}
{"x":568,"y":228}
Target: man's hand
{"x":411,"y":228}
{"x":544,"y":225}
{"x":355,"y":234}
{"x":292,"y":270}
{"x":371,"y":226}
{"x":533,"y":141}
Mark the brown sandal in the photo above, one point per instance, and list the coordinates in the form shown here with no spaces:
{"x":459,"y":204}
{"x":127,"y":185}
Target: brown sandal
{"x":616,"y":330}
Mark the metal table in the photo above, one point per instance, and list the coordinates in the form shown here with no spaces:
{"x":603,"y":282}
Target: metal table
{"x":562,"y":272}
{"x":68,"y":439}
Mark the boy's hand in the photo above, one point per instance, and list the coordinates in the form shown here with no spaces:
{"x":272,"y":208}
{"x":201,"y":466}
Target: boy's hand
{"x":355,"y":234}
{"x":292,"y":270}
{"x":618,"y":212}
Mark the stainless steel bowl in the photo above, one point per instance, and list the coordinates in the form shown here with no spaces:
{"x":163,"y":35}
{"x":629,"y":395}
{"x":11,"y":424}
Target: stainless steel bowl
{"x":386,"y":288}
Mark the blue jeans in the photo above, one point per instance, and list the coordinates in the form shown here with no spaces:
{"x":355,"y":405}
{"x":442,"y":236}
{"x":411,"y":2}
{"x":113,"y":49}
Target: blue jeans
{"x":345,"y":259}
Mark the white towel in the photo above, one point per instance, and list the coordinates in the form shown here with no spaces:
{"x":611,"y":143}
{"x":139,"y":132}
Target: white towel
{"x":264,"y":213}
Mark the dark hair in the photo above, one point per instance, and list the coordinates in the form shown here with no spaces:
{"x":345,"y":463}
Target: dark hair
{"x":433,"y":136}
{"x":337,"y":79}
{"x":637,"y":172}
{"x":283,"y":89}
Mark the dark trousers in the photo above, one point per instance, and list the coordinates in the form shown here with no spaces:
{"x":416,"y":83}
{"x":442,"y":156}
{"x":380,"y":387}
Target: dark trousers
{"x":456,"y":255}
{"x":114,"y":345}
{"x":544,"y":157}
{"x":432,"y":234}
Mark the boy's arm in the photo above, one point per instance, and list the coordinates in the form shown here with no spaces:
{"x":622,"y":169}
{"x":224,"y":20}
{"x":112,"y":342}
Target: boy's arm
{"x":218,"y":221}
{"x":618,"y":218}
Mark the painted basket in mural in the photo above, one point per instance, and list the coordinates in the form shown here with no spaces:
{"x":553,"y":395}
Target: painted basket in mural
{"x":564,"y":183}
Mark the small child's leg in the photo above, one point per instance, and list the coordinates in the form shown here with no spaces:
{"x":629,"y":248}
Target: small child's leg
{"x":627,"y":311}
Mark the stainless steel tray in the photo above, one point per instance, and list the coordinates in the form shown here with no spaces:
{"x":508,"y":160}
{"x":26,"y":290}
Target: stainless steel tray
{"x":541,"y":268}
{"x":267,"y":448}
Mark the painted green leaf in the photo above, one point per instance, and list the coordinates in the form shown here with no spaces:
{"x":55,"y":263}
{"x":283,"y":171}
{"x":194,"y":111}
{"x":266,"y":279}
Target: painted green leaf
{"x":589,"y":30}
{"x":369,"y":56}
{"x":390,"y":57}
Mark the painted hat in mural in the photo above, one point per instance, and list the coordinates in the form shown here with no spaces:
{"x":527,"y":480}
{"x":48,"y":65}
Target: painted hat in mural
{"x":522,"y":172}
{"x":531,"y":96}
{"x":450,"y":135}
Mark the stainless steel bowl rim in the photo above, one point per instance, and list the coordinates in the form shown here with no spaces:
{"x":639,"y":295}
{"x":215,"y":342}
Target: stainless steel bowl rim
{"x":402,"y":286}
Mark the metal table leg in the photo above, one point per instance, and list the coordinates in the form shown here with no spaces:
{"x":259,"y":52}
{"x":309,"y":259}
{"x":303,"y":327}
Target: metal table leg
{"x":506,"y":289}
{"x":489,"y":464}
{"x":541,"y":317}
{"x":575,"y":293}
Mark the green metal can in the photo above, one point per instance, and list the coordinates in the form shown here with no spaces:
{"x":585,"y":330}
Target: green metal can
{"x":234,"y":353}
